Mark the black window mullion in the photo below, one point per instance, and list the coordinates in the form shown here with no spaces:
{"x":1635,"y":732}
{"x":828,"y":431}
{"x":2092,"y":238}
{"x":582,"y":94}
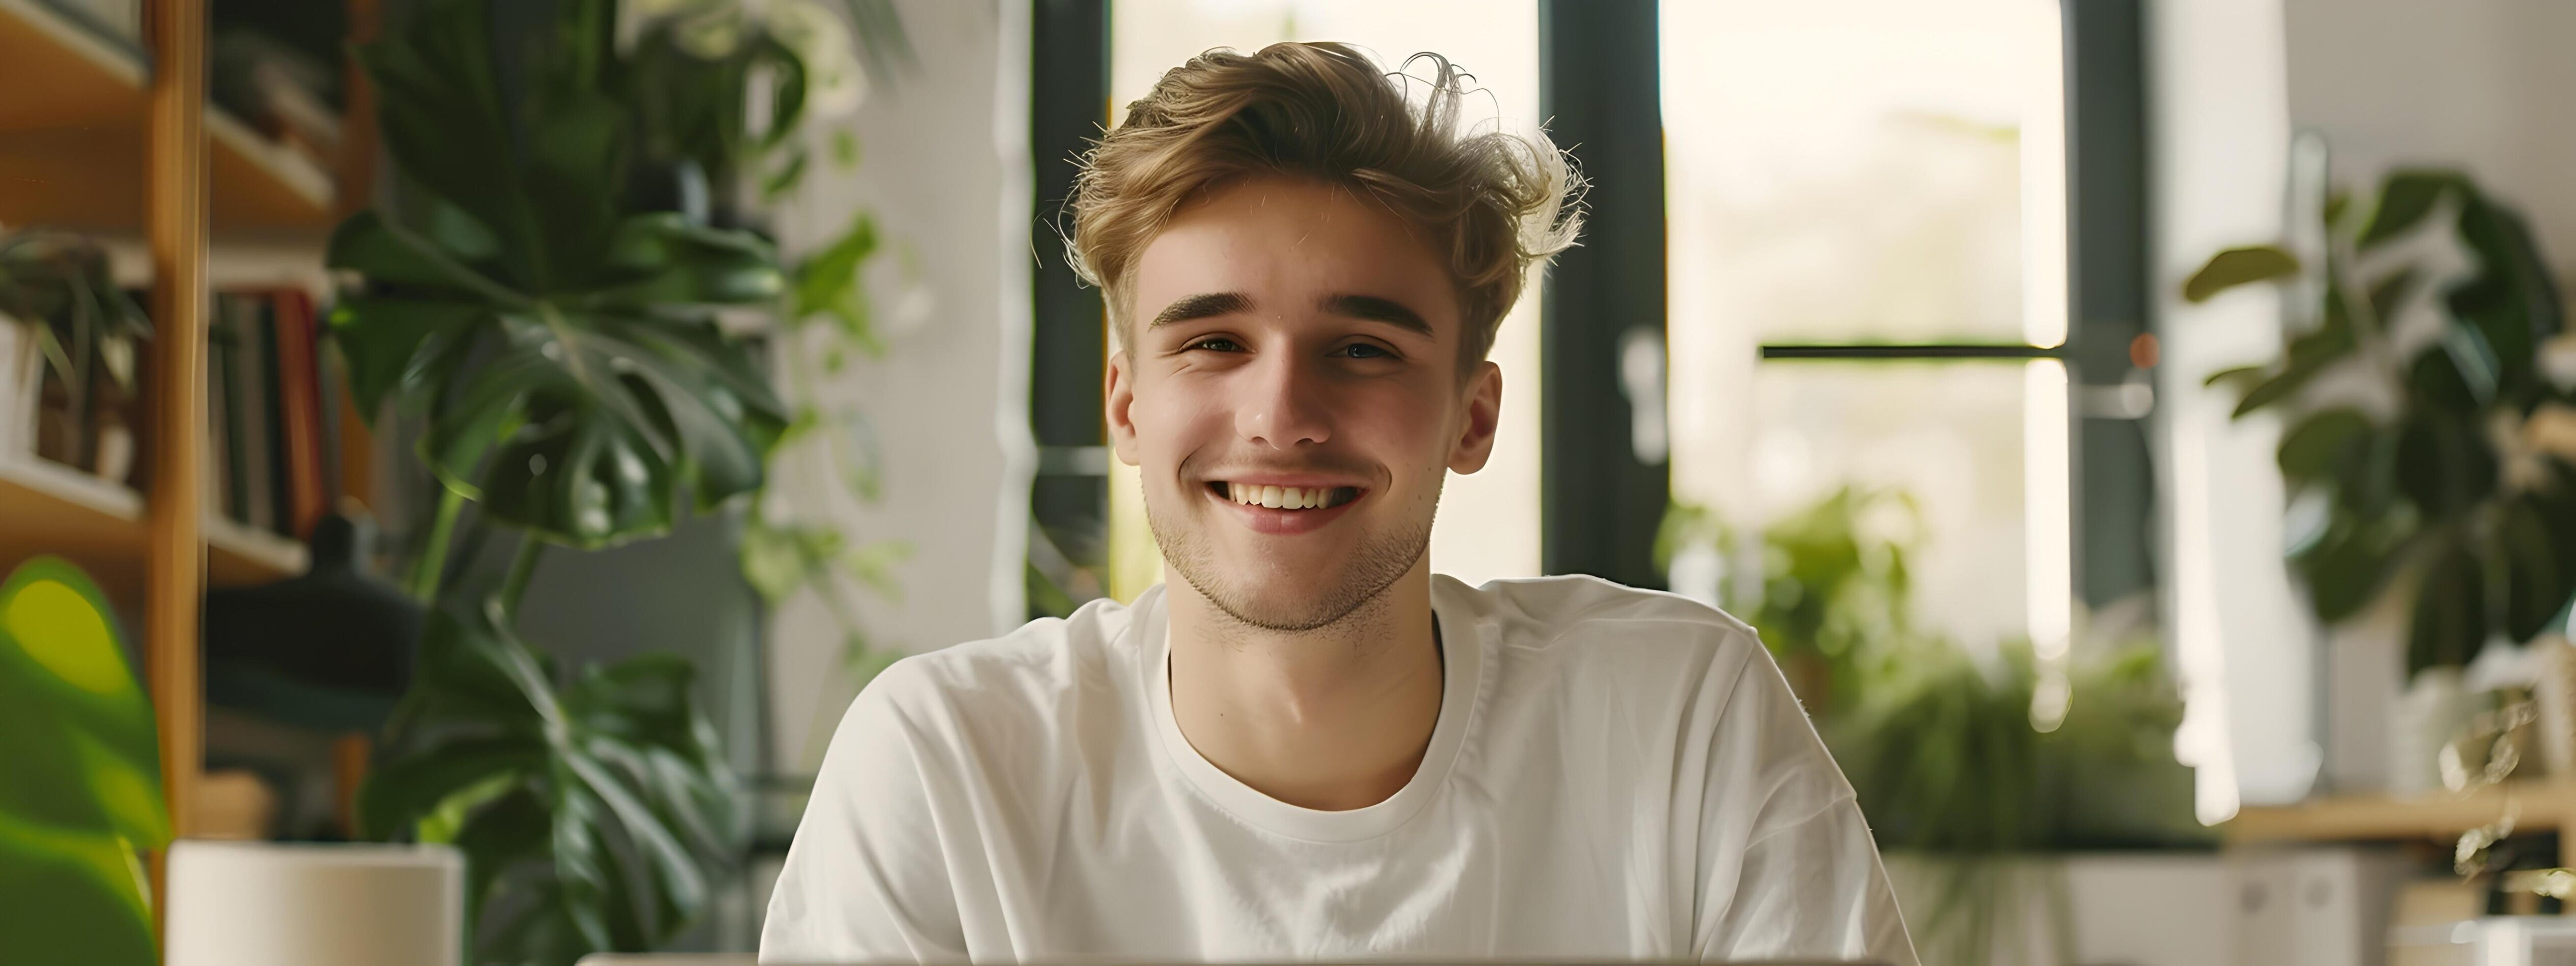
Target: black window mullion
{"x":1069,"y":498}
{"x":1600,"y":91}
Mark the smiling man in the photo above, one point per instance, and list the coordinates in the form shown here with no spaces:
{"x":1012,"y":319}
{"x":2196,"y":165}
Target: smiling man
{"x":1306,"y":744}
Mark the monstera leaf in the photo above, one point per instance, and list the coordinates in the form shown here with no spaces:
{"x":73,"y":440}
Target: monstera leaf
{"x":593,"y":816}
{"x":80,"y":784}
{"x":565,"y":353}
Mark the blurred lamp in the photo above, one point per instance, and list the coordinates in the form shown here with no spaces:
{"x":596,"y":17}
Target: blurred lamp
{"x":280,"y":904}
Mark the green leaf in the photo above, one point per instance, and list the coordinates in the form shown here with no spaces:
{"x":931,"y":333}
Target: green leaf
{"x":390,"y":254}
{"x":2512,"y":299}
{"x":399,"y":345}
{"x":2444,"y":464}
{"x":401,"y":793}
{"x":2239,"y":266}
{"x":599,"y":812}
{"x":2539,"y":573}
{"x":2242,"y":377}
{"x":2405,"y":198}
{"x":441,"y":115}
{"x":80,"y":784}
{"x":2321,"y":443}
{"x":2309,"y":355}
{"x":2345,"y":569}
{"x":2450,"y":620}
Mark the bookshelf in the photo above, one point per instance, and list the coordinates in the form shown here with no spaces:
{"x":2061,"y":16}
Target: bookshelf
{"x":117,"y":142}
{"x":73,"y":150}
{"x":52,"y":509}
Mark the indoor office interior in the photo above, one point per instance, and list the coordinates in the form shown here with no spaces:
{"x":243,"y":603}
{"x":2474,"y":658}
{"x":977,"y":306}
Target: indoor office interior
{"x":2143,"y":433}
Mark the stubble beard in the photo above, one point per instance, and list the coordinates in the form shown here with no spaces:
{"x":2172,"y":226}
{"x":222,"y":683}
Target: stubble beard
{"x":1382,"y":559}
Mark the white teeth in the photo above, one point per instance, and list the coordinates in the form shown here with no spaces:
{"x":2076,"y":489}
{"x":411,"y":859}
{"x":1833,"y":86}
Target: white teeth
{"x":1281,"y":497}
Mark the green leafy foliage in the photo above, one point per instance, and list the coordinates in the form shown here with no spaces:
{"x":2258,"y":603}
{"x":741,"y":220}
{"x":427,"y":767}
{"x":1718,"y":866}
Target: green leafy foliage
{"x":1832,"y":585}
{"x":2239,"y":266}
{"x":2437,"y":498}
{"x":564,"y":349}
{"x":59,"y":287}
{"x":80,"y":786}
{"x":593,"y":812}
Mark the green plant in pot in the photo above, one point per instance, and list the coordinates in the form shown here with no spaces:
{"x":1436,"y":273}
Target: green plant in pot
{"x":563,"y":349}
{"x":2428,"y":441}
{"x":1833,"y":587}
{"x":1969,"y":764}
{"x":78,"y":323}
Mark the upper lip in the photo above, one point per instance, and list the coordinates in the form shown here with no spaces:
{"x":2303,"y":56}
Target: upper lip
{"x":1304,"y":481}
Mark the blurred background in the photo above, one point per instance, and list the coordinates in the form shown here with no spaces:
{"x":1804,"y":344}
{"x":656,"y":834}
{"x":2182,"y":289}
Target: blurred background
{"x":2143,"y":431}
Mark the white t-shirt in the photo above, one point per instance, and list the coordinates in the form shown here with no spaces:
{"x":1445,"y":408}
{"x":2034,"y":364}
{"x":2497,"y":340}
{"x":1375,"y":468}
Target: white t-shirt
{"x":1614,"y":773}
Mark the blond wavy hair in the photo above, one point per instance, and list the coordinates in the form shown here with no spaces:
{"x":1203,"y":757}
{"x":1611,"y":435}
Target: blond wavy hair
{"x":1496,"y":202}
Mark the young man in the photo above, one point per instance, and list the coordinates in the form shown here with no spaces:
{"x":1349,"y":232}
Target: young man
{"x":1306,"y":745}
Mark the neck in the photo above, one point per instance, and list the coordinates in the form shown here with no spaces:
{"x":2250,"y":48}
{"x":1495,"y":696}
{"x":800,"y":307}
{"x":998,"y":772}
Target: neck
{"x":1334,"y":718}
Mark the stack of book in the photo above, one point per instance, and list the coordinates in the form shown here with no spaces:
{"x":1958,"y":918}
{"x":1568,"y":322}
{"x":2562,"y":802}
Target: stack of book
{"x":276,"y":396}
{"x":275,"y":400}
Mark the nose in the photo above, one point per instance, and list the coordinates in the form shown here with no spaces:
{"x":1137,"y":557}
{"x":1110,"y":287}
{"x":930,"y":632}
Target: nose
{"x":1283,"y":404}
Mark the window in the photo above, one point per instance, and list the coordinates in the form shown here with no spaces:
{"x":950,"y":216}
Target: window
{"x":1869,"y":281}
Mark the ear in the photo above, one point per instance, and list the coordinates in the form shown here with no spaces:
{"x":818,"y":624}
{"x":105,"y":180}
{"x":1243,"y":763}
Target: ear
{"x":1118,"y":394}
{"x":1484,"y":399}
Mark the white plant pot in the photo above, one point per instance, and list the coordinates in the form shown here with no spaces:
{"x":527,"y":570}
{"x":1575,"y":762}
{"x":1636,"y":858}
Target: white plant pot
{"x":2363,"y":664}
{"x":279,"y":904}
{"x":2437,"y":705}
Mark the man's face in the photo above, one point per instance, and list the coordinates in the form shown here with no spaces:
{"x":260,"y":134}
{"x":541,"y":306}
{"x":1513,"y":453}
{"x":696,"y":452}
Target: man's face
{"x":1290,"y":392}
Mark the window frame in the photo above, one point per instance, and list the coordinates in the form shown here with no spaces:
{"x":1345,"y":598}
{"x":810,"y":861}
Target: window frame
{"x":1602,"y":503}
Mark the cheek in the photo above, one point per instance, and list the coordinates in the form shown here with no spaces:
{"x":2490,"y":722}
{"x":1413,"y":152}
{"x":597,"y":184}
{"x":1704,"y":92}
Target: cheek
{"x":1173,"y":421}
{"x":1403,"y":425}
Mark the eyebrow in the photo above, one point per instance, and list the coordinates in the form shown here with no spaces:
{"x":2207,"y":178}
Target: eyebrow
{"x":1368,"y":307}
{"x":1375,"y":309}
{"x":1204,"y":306}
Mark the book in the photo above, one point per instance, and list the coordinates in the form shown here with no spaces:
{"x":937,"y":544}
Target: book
{"x":19,"y":361}
{"x":299,"y":378}
{"x":252,"y":399}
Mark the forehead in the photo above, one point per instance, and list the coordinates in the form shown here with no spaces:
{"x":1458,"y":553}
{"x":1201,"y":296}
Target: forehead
{"x":1281,"y":240}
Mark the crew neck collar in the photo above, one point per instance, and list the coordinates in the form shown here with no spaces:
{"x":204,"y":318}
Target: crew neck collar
{"x":1462,"y":648}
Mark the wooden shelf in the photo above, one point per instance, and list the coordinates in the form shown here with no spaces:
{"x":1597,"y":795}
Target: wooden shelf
{"x":71,"y":139}
{"x":51,"y":509}
{"x":2538,"y":806}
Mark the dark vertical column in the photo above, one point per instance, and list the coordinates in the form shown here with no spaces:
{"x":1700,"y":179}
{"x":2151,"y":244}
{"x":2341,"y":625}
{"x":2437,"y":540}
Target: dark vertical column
{"x":1600,"y":503}
{"x":2107,"y":178}
{"x":1069,"y":500}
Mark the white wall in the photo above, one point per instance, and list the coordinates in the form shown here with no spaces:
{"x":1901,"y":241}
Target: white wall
{"x":2220,"y":130}
{"x":944,"y":166}
{"x":2480,"y":84}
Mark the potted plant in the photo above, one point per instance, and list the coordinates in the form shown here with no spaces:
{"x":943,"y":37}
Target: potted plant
{"x":2428,"y":428}
{"x":61,"y":315}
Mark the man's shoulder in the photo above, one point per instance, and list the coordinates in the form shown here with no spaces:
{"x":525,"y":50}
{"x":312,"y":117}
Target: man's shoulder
{"x":1039,"y":665}
{"x":1601,"y":618}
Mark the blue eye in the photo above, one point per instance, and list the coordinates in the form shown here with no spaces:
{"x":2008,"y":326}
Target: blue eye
{"x":1363,"y":350}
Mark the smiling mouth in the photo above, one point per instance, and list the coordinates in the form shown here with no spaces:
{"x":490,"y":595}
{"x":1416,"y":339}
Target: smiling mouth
{"x":1285,"y":497}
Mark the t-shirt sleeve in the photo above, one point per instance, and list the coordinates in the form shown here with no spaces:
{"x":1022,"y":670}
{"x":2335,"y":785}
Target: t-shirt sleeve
{"x":1788,"y":869}
{"x":865,"y":879}
{"x":1812,"y":890}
